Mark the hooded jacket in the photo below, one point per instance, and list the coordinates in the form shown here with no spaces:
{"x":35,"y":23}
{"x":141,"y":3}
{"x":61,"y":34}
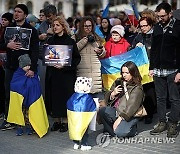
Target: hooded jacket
{"x":115,"y":48}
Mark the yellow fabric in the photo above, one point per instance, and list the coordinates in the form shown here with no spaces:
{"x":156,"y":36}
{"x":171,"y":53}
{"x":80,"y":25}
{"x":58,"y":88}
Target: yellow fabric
{"x":78,"y":122}
{"x":38,"y":117}
{"x":15,"y":114}
{"x":108,"y":79}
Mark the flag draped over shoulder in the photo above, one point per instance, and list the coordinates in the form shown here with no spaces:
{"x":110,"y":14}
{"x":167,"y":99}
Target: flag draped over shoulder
{"x":27,"y":92}
{"x":81,"y":108}
{"x":110,"y":67}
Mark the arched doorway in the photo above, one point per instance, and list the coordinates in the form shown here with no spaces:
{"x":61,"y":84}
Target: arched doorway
{"x":11,"y":5}
{"x":59,"y":7}
{"x":30,"y":6}
{"x":46,"y":4}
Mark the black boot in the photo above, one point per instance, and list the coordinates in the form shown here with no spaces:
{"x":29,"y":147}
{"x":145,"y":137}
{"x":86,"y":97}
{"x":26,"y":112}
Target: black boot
{"x":56,"y":126}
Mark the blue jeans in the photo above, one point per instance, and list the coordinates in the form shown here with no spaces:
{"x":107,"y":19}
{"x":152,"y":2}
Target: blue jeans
{"x":164,"y":85}
{"x":124,"y":129}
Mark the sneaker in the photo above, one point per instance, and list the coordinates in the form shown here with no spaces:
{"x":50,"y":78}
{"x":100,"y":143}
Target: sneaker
{"x":29,"y":131}
{"x":85,"y":147}
{"x":76,"y":146}
{"x":19,"y":131}
{"x":159,"y":129}
{"x":172,"y":131}
{"x":6,"y":126}
{"x":56,"y":126}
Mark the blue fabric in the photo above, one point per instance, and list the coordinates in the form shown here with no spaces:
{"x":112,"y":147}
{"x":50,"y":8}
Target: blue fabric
{"x":136,"y":13}
{"x":26,"y":86}
{"x":80,"y":102}
{"x":113,"y":64}
{"x":106,"y":11}
{"x":98,"y":32}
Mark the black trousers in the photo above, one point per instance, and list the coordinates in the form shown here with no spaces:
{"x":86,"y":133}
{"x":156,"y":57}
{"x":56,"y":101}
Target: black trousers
{"x":8,"y":77}
{"x":2,"y":90}
{"x":150,"y":102}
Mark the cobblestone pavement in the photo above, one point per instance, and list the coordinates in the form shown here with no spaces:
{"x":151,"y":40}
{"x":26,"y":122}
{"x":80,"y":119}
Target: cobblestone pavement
{"x":59,"y":143}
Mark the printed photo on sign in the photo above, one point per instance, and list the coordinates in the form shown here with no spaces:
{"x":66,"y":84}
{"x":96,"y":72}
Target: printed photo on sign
{"x":58,"y":54}
{"x":22,"y":35}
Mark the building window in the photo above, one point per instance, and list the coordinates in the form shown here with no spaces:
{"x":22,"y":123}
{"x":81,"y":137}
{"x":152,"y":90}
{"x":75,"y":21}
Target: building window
{"x":154,"y":2}
{"x":46,"y":4}
{"x":59,"y":7}
{"x":12,"y":4}
{"x":29,"y":5}
{"x":145,"y":2}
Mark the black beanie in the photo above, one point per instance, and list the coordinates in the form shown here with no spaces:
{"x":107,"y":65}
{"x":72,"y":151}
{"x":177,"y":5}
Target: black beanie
{"x":22,"y":7}
{"x":8,"y":16}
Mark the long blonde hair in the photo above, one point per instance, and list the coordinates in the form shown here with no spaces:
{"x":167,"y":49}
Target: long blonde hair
{"x":64,"y":24}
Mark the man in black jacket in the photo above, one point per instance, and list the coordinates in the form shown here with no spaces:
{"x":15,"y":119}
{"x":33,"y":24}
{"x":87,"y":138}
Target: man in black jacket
{"x":14,"y":50}
{"x":165,"y":68}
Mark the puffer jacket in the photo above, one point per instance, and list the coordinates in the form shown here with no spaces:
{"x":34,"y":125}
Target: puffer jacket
{"x":126,"y":108}
{"x":115,"y":48}
{"x":90,"y":65}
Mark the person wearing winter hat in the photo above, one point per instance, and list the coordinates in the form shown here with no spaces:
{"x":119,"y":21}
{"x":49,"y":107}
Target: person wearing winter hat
{"x":14,"y":50}
{"x":7,"y":17}
{"x":24,"y":62}
{"x":29,"y":90}
{"x":116,"y":44}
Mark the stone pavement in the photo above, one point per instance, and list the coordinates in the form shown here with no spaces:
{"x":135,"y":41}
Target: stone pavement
{"x":59,"y":143}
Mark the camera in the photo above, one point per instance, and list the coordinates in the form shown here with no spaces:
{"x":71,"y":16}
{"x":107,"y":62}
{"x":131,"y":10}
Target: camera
{"x":100,"y":47}
{"x":91,"y":38}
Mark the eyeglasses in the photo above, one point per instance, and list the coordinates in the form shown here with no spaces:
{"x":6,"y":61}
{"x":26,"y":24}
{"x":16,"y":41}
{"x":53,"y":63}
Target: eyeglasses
{"x":162,"y":16}
{"x":143,"y":26}
{"x":86,"y":26}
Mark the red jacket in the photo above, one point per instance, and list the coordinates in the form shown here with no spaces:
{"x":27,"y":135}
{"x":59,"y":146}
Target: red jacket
{"x":115,"y":48}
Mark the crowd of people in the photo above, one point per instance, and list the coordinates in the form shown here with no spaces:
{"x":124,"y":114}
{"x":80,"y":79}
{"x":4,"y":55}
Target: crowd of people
{"x":92,"y":39}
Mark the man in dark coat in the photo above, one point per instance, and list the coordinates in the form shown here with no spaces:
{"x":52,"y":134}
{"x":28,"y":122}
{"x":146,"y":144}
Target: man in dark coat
{"x":14,"y":50}
{"x":165,"y":68}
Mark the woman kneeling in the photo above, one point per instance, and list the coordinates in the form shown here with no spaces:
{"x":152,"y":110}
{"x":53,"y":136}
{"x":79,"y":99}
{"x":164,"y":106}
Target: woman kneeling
{"x":123,"y":101}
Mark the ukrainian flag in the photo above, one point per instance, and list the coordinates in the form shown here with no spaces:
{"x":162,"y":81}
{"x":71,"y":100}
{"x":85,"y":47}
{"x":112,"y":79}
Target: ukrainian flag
{"x":27,"y":92}
{"x":81,"y":108}
{"x":110,"y":67}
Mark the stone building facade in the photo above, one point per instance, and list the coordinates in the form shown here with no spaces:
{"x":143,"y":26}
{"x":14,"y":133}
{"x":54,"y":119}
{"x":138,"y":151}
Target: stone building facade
{"x":70,"y":7}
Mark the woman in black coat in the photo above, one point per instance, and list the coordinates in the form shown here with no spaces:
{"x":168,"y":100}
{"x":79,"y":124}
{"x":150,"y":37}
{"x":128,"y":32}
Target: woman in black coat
{"x":59,"y":82}
{"x":145,"y":38}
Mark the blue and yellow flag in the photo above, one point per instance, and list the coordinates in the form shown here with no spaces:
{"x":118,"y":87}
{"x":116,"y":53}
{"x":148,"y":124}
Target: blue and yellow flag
{"x":110,"y":67}
{"x":27,"y":92}
{"x":81,"y":108}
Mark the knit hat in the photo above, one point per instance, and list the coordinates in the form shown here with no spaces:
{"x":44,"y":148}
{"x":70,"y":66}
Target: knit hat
{"x":24,"y":60}
{"x":119,"y":29}
{"x":22,"y":7}
{"x":8,"y":16}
